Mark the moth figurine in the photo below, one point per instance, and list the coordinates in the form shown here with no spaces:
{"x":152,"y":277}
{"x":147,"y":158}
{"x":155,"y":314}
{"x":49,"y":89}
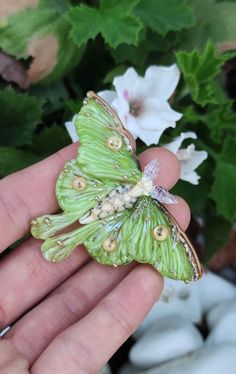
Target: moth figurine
{"x":119,"y":211}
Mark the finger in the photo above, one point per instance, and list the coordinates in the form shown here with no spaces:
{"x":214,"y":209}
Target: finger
{"x":11,"y":361}
{"x":66,"y":305}
{"x":180,"y":211}
{"x":87,"y":345}
{"x":169,"y":166}
{"x":25,"y":278}
{"x":29,"y":193}
{"x":168,"y":177}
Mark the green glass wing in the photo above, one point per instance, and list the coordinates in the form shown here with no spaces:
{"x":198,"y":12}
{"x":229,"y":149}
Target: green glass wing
{"x":168,"y":250}
{"x":105,"y":151}
{"x":93,"y":236}
{"x":73,"y":199}
{"x":130,"y":235}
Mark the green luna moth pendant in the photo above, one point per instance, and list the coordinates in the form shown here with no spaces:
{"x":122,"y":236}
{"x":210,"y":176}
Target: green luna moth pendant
{"x":120,"y":209}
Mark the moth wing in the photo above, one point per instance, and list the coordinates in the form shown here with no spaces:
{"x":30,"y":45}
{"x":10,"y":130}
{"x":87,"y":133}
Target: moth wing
{"x":74,"y":201}
{"x":129,"y":235}
{"x":95,"y":237}
{"x":174,"y":257}
{"x":105,"y":151}
{"x":80,"y":200}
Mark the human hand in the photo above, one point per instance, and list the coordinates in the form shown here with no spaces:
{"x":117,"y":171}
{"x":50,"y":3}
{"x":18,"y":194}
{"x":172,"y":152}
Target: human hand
{"x":70,"y":316}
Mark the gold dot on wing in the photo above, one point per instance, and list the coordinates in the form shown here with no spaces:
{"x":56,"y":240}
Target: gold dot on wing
{"x":160,"y":232}
{"x":114,"y":143}
{"x":109,"y":244}
{"x":79,"y":183}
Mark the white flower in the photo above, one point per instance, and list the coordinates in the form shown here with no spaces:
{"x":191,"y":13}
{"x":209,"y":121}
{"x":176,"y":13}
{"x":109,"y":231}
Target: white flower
{"x":188,"y":157}
{"x":142,"y":102}
{"x":70,"y":127}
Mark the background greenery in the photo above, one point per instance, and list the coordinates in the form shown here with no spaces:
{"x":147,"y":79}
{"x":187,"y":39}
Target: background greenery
{"x":98,"y":40}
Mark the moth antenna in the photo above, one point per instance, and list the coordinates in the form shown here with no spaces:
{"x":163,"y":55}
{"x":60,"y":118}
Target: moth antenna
{"x":152,"y":170}
{"x":163,"y":196}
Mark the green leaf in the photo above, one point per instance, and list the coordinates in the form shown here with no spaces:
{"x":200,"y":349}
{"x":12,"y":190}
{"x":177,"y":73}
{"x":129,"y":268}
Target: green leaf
{"x":53,"y":96}
{"x":20,"y":115}
{"x":150,"y":42}
{"x":215,"y":21}
{"x":163,"y":16}
{"x":199,"y":70}
{"x":50,"y":140}
{"x":12,"y":159}
{"x":221,"y":120}
{"x":114,"y":20}
{"x":224,"y":185}
{"x":196,"y":196}
{"x":216,"y":234}
{"x":30,"y":32}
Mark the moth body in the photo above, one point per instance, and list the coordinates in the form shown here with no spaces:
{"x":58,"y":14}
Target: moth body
{"x":123,"y":197}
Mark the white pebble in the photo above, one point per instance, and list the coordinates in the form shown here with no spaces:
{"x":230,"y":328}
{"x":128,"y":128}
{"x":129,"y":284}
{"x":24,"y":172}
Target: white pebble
{"x":213,"y":289}
{"x":224,"y":330}
{"x":217,"y":359}
{"x":167,"y":338}
{"x":178,"y":298}
{"x":220,"y":310}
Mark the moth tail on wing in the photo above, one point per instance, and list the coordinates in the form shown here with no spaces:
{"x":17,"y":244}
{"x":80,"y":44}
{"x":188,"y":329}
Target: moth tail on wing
{"x":48,"y":225}
{"x":61,"y":246}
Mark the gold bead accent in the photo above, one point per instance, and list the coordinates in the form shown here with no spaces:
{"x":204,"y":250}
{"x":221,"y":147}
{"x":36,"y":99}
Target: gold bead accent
{"x":109,"y":244}
{"x":114,"y":143}
{"x":87,"y":114}
{"x":47,"y":221}
{"x":117,"y":166}
{"x":160,"y":232}
{"x":125,"y":178}
{"x":79,"y":183}
{"x":34,"y":222}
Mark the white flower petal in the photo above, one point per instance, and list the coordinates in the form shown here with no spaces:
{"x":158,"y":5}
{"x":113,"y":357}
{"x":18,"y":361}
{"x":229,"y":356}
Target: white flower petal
{"x":131,"y":125}
{"x":70,"y":127}
{"x":158,"y":115}
{"x":121,"y":106}
{"x":124,"y":84}
{"x":142,"y":89}
{"x":108,"y":95}
{"x":176,"y":144}
{"x":189,"y":158}
{"x":149,"y":137}
{"x":191,"y":177}
{"x":165,"y":80}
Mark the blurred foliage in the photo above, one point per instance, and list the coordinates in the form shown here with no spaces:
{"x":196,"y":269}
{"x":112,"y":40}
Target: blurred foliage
{"x":93,"y":42}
